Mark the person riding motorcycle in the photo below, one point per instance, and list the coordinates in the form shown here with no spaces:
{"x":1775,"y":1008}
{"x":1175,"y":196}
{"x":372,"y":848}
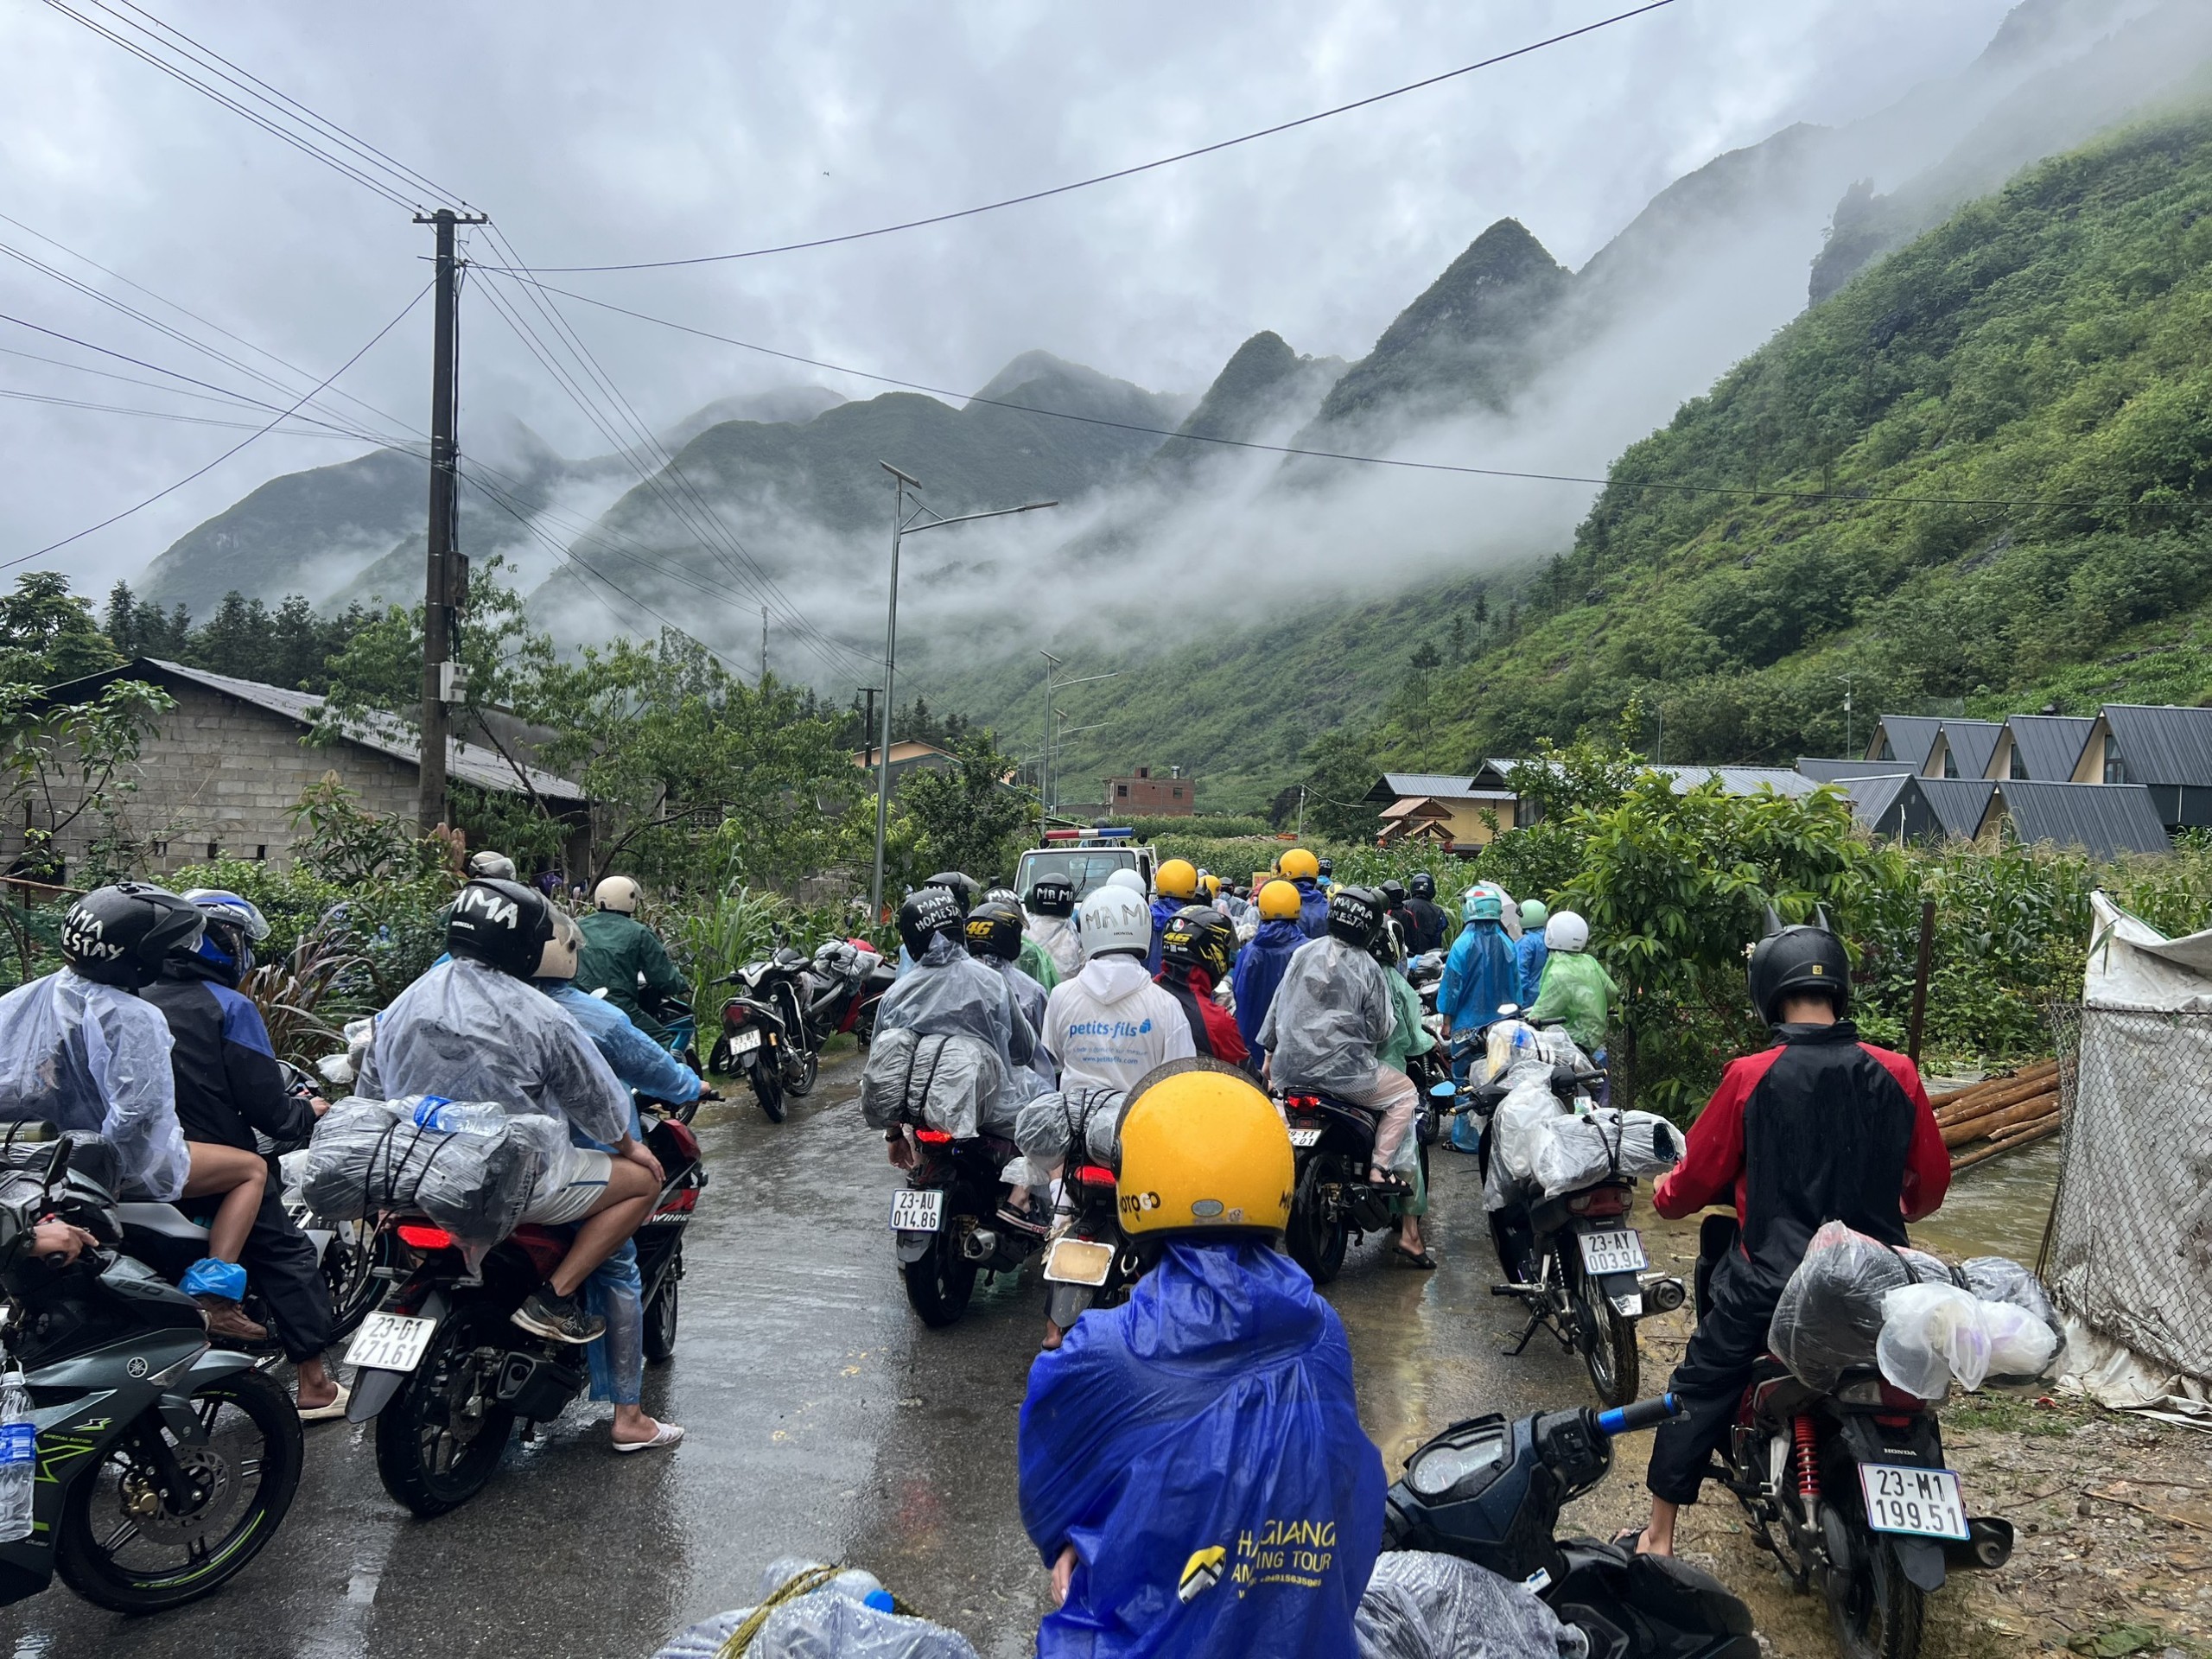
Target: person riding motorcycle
{"x":1325,"y":873}
{"x":1303,"y":871}
{"x":1478,"y":977}
{"x":1029,"y":956}
{"x":1409,"y":1037}
{"x":1331,"y":1019}
{"x":621,"y":953}
{"x":993,"y":933}
{"x":1110,"y":1025}
{"x":1192,"y":1467}
{"x":1530,"y":952}
{"x":1395,"y":900}
{"x":1577,"y":989}
{"x":474,"y":1028}
{"x":1050,"y":908}
{"x":1431,"y":926}
{"x":81,"y":1050}
{"x":1261,"y":963}
{"x":1819,"y":1128}
{"x":616,"y":1290}
{"x":491,"y":866}
{"x":229,"y":1085}
{"x":1173,"y":885}
{"x":1195,"y":957}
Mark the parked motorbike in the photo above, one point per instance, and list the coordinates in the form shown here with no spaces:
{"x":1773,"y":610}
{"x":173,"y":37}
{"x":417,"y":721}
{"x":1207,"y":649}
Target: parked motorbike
{"x":445,"y":1372}
{"x":164,"y":1467}
{"x":1087,"y":1262}
{"x":944,"y":1224}
{"x":1489,"y":1492}
{"x":679,"y":1025}
{"x":1849,"y":1492}
{"x":1332,"y":1202}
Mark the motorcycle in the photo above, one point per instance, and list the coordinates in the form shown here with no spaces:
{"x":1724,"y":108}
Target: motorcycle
{"x":164,"y":1465}
{"x":1332,"y":1201}
{"x":776,"y":1026}
{"x":1087,"y":1262}
{"x":944,"y":1224}
{"x":444,"y":1371}
{"x":1489,"y":1492}
{"x":1853,"y":1481}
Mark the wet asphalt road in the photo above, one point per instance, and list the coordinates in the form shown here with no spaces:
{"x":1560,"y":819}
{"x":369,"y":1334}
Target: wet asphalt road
{"x":823,"y":1419}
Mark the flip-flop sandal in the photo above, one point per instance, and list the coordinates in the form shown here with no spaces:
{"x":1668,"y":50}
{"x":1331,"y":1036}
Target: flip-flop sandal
{"x":667,"y":1435}
{"x":335,"y":1409}
{"x":1629,"y":1538}
{"x":1405,"y":1258}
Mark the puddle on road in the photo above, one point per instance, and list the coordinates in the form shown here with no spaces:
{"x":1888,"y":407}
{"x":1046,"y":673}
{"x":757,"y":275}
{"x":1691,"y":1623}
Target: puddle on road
{"x":1997,"y":1208}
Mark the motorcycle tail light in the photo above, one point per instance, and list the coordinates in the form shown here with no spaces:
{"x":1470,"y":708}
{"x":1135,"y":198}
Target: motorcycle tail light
{"x":681,"y":1203}
{"x":1094,"y":1175}
{"x":1598,"y":1201}
{"x":1302,"y":1103}
{"x":933,"y":1137}
{"x":417,"y":1236}
{"x":735,"y":1014}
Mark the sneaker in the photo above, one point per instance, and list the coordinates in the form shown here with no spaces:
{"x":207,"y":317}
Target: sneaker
{"x":1033,"y":1220}
{"x":557,"y":1319}
{"x":227,"y":1319}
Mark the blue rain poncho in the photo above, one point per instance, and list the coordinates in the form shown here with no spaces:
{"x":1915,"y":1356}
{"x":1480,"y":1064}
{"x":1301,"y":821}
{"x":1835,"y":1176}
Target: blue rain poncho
{"x":1201,"y":1449}
{"x":1529,"y":952}
{"x":1330,"y":1019}
{"x":1478,"y":976}
{"x":1163,"y":911}
{"x":634,"y":1058}
{"x":1259,"y":970}
{"x":1313,"y":907}
{"x":81,"y":1055}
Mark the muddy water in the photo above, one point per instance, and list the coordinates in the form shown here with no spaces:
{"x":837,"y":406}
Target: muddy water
{"x":1997,"y":1208}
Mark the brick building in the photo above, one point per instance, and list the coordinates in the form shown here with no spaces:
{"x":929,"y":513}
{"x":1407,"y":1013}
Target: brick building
{"x":223,"y":768}
{"x":1144,"y":796}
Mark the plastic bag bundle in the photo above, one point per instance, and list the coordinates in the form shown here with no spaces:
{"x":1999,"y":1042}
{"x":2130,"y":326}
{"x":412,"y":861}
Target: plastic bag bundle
{"x":952,"y":1084}
{"x":1578,"y":1150}
{"x":1050,"y":1129}
{"x":369,"y":1155}
{"x":847,"y":1617}
{"x":2000,"y":1278}
{"x":1523,"y":1123}
{"x":1829,"y":1316}
{"x":1931,"y":1333}
{"x":1419,"y":1606}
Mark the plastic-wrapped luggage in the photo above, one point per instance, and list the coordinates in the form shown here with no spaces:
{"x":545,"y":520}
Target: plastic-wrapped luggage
{"x":847,"y":1616}
{"x":955,"y":1083}
{"x":369,"y":1155}
{"x":1053,"y":1124}
{"x":2000,"y":1278}
{"x":1933,"y":1333}
{"x":1829,"y":1316}
{"x":1578,"y":1149}
{"x":1419,"y":1606}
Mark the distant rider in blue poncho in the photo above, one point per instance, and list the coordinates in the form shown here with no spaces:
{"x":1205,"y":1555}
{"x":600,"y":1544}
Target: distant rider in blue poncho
{"x":1260,"y":965}
{"x":1479,"y":975}
{"x":1192,"y":1466}
{"x":1303,"y":871}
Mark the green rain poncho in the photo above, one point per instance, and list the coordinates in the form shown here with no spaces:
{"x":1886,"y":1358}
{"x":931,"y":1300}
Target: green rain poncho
{"x":1577,"y":990}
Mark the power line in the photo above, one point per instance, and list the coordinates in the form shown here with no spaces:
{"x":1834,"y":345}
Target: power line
{"x":162,"y":415}
{"x":1119,"y":173}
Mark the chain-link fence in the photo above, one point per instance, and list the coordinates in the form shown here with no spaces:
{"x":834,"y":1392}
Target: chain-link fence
{"x":2129,"y":1247}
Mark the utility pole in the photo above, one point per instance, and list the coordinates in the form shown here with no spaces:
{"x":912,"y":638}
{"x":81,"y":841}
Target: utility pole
{"x":1045,"y":767}
{"x":445,"y":580}
{"x":867,"y":722}
{"x":1300,"y":831}
{"x":764,"y":644}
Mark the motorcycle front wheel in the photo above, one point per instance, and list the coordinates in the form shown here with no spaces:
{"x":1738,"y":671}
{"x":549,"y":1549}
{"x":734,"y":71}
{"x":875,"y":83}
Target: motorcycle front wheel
{"x":767,"y":1088}
{"x":125,"y":1543}
{"x":1605,"y":1336}
{"x":1315,"y":1238}
{"x":939,"y":1285}
{"x":1876,"y":1611}
{"x":441,"y":1439}
{"x":799,"y":1075}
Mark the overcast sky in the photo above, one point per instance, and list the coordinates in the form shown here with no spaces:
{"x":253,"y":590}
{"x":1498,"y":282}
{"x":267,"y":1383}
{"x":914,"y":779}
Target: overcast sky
{"x":598,"y":135}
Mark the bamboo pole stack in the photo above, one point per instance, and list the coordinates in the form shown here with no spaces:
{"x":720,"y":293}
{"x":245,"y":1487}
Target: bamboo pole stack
{"x":1998,"y":1113}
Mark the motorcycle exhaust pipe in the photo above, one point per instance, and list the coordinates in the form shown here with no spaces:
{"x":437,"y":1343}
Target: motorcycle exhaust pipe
{"x":1665,"y":1292}
{"x":980,"y":1245}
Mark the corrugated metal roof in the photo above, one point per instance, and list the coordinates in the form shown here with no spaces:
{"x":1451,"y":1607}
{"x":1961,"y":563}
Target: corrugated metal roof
{"x":469,"y":762}
{"x":1824,"y":770}
{"x":1871,"y":797}
{"x":1960,"y":804}
{"x":2103,"y":819}
{"x":1910,"y":737}
{"x":1740,"y":781}
{"x":1404,"y":784}
{"x":2049,"y":746}
{"x":1972,"y":742}
{"x":2161,"y":745}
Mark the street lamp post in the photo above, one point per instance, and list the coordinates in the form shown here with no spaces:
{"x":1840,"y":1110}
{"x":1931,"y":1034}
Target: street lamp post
{"x":902,"y":526}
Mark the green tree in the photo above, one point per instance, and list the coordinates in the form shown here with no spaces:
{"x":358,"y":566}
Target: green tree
{"x":969,"y":816}
{"x":47,"y":636}
{"x":1341,"y":767}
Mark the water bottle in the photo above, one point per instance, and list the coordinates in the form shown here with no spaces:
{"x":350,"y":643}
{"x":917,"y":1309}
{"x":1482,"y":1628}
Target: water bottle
{"x":18,"y":1456}
{"x":458,"y":1117}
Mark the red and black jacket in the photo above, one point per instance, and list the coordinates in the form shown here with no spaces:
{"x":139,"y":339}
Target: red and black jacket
{"x":1819,"y":1128}
{"x":1213,"y":1028}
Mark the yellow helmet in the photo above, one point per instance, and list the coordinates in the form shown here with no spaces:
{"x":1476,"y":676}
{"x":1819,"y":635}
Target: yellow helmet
{"x":1299,"y":865}
{"x":1280,"y":902}
{"x":1212,"y":886}
{"x":1177,"y":878}
{"x":1201,"y":1150}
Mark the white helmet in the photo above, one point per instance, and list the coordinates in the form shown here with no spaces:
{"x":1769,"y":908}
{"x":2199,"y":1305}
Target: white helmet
{"x":1567,"y":931}
{"x":561,"y":954}
{"x":1115,"y":919}
{"x":1128,"y":879}
{"x":490,"y":865}
{"x":617,"y":893}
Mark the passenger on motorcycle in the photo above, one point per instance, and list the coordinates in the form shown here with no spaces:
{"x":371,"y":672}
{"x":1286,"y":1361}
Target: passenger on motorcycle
{"x":80,"y":1050}
{"x":1530,"y":952}
{"x":1409,"y":1037}
{"x":1303,"y":871}
{"x":1395,"y":912}
{"x":1577,"y":990}
{"x":622,"y":955}
{"x":615,"y":1292}
{"x":1109,"y":1026}
{"x":1819,"y":1128}
{"x":474,"y":1028}
{"x":1051,"y":928}
{"x":229,"y":1085}
{"x":963,"y":888}
{"x":1260,"y":965}
{"x":1431,"y":926}
{"x":1478,"y":978}
{"x":1331,"y":1019}
{"x":1193,"y":1469}
{"x":491,"y":867}
{"x":993,"y":936}
{"x":1175,"y":885}
{"x":1029,"y":956}
{"x":1195,"y":957}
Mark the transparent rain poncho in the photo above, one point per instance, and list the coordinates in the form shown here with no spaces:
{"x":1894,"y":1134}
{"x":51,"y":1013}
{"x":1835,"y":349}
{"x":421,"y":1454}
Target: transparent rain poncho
{"x":1419,"y":1606}
{"x":81,"y":1055}
{"x":1330,"y":1017}
{"x":949,"y":994}
{"x":469,"y":1032}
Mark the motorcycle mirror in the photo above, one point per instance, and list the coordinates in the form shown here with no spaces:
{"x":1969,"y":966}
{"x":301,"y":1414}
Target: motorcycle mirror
{"x":1443,"y":1090}
{"x":57,"y":1165}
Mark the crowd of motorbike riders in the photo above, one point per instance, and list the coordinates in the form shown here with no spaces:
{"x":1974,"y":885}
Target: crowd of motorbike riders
{"x":1194,"y":998}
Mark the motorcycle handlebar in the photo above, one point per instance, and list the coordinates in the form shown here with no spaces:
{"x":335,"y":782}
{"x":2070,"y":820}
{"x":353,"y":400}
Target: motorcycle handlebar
{"x":1645,"y":1414}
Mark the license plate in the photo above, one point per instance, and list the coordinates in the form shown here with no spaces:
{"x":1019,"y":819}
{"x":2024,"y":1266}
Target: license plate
{"x":390,"y":1342}
{"x":1078,"y":1261}
{"x":1620,"y":1251}
{"x":917,"y":1210}
{"x":744,"y":1042}
{"x":1305,"y":1137}
{"x":1924,"y":1502}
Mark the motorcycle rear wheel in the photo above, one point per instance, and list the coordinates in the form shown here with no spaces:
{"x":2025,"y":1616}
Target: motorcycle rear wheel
{"x":245,"y":1412}
{"x":1607,"y":1339}
{"x":661,"y":1314}
{"x":767,"y":1088}
{"x":1316,"y":1240}
{"x":416,"y":1429}
{"x":939,"y":1285}
{"x":1876,"y":1611}
{"x":799,"y":1080}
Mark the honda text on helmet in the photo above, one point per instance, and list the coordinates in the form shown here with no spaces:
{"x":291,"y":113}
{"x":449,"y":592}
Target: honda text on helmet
{"x":120,"y":934}
{"x":502,"y":925}
{"x":1808,"y":959}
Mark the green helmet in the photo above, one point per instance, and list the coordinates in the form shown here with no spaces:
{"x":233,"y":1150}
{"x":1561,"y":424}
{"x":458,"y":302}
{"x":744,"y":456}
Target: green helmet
{"x":1533,"y":914}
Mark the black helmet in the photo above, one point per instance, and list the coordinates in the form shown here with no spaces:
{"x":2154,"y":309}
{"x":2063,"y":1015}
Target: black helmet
{"x":502,"y":925}
{"x":1805,"y":958}
{"x":1424,"y":885}
{"x":1198,"y":935}
{"x":120,"y":934}
{"x":1388,"y":945}
{"x":1355,"y":914}
{"x":994,"y":929}
{"x":963,"y":889}
{"x":1328,"y":866}
{"x":929,"y":910}
{"x":1003,"y":896}
{"x":1394,"y":893}
{"x":1052,"y":895}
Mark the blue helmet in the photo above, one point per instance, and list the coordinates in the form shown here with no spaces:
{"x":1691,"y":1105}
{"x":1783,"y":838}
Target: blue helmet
{"x":1481,"y":905}
{"x":233,"y":927}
